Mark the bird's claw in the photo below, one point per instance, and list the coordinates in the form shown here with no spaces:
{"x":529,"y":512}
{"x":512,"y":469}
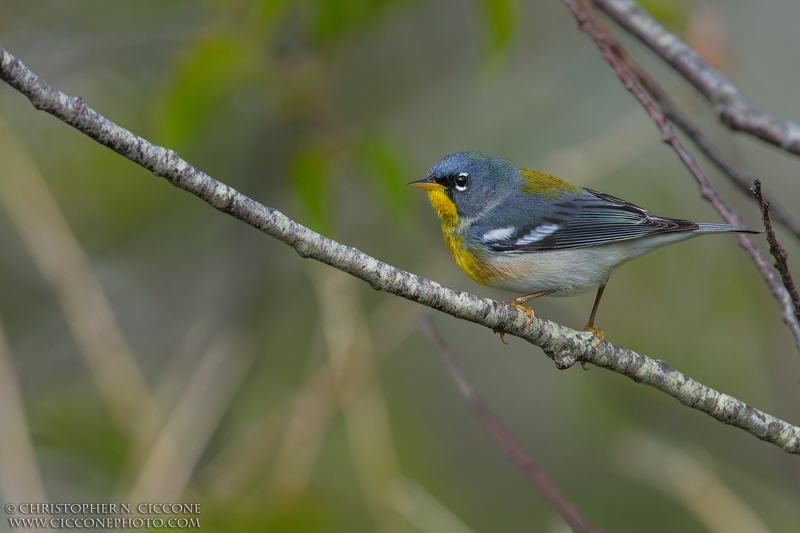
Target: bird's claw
{"x":502,"y":335}
{"x":599,"y":333}
{"x":525,"y":309}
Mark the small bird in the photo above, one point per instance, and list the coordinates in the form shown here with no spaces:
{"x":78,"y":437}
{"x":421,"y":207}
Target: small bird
{"x":535,"y":234}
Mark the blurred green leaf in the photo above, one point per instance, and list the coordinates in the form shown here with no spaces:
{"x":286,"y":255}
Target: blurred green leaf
{"x":306,"y":516}
{"x":76,"y":423}
{"x":500,"y":18}
{"x":310,"y":176}
{"x":300,"y":519}
{"x":270,"y":10}
{"x":208,"y":74}
{"x":334,"y":19}
{"x":672,"y":14}
{"x":388,"y":173}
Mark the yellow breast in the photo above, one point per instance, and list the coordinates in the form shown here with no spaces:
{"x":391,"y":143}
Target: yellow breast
{"x":476,"y":265}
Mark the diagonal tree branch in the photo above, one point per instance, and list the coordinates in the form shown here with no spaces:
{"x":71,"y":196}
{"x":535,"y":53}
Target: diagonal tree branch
{"x":563,"y":345}
{"x":777,"y":251}
{"x":733,"y":108}
{"x":513,"y":451}
{"x":583,"y":14}
{"x":738,"y":176}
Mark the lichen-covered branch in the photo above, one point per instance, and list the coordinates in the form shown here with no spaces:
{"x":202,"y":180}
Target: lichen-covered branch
{"x":563,"y":345}
{"x":513,"y":451}
{"x":733,"y":108}
{"x":584,"y":16}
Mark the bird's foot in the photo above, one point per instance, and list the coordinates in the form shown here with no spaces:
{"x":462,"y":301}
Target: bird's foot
{"x":502,"y":335}
{"x":597,"y":331}
{"x":525,"y":309}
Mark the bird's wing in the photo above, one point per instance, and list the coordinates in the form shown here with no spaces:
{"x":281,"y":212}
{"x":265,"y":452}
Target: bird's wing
{"x":587,"y":219}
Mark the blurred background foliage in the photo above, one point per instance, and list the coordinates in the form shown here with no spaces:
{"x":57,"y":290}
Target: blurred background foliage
{"x":164,"y":352}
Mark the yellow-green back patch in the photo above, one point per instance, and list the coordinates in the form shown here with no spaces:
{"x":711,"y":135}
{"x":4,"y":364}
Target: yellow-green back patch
{"x":545,"y":184}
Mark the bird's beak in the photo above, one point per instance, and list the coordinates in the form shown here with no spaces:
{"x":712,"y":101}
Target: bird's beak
{"x":427,"y":184}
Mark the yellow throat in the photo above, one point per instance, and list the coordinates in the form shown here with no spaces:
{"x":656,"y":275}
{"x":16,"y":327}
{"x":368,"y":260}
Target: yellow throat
{"x":444,"y":207}
{"x":471,"y":264}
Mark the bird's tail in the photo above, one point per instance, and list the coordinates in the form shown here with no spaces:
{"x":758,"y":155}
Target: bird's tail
{"x":725,"y":228}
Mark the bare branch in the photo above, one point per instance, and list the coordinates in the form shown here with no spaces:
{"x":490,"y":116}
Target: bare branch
{"x":584,"y":16}
{"x":738,"y":176}
{"x":733,"y":108}
{"x":501,"y":434}
{"x":777,"y":250}
{"x":563,"y":345}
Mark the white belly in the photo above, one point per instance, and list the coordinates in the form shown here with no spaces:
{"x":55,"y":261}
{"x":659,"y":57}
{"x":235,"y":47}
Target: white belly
{"x":573,"y":270}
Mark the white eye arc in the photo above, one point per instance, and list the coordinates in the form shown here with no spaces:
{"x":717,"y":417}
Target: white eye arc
{"x":461,"y":181}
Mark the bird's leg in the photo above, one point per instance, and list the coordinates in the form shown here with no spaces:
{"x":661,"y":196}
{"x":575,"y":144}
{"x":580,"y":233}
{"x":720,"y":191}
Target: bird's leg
{"x":517,"y":302}
{"x":590,"y":324}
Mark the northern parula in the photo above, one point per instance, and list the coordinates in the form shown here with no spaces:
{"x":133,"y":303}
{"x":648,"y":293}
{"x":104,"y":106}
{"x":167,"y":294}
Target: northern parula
{"x":535,"y":234}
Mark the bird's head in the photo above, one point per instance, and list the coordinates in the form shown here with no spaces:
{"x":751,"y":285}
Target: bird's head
{"x":461,"y":184}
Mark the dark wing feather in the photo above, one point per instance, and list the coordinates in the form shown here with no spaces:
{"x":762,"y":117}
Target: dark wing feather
{"x":588,"y":219}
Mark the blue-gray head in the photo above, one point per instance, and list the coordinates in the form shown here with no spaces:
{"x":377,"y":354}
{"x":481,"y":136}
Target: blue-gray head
{"x":465,"y":181}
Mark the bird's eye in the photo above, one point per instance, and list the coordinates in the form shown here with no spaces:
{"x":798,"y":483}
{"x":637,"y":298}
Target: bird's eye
{"x":461,"y":181}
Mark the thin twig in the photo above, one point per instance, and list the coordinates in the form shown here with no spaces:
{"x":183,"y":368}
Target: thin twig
{"x":738,"y":176}
{"x":584,"y":16}
{"x":563,"y":345}
{"x":733,"y":108}
{"x":501,"y":434}
{"x":777,"y":250}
